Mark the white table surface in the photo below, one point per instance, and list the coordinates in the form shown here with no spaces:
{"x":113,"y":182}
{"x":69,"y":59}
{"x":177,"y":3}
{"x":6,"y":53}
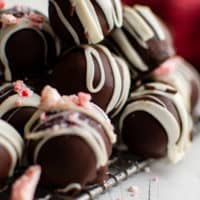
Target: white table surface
{"x":175,"y":182}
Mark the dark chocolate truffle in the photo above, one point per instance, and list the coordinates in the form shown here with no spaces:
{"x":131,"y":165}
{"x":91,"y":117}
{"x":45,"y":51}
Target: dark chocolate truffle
{"x":27,"y":44}
{"x":184,"y":77}
{"x":144,"y":41}
{"x":17,"y":104}
{"x":155,"y":123}
{"x":84,"y":22}
{"x":11,"y":150}
{"x":71,"y":139}
{"x":93,"y":69}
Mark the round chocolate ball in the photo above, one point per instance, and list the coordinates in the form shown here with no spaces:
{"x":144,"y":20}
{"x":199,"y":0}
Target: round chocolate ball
{"x":155,"y":123}
{"x":184,"y":78}
{"x":11,"y":150}
{"x":144,"y":41}
{"x":28,"y":47}
{"x":17,"y":104}
{"x":84,"y":22}
{"x":77,"y":134}
{"x":95,"y":70}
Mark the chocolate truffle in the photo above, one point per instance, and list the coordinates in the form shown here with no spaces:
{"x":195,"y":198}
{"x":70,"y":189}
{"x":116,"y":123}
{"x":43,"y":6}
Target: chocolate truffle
{"x":27,"y":44}
{"x":17,"y":104}
{"x":184,"y":77}
{"x":71,"y":139}
{"x":95,"y":70}
{"x":11,"y":150}
{"x":144,"y":41}
{"x":84,"y":22}
{"x":155,"y":123}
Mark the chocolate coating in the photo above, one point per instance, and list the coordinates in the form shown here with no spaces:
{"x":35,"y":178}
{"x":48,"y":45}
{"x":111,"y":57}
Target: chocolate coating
{"x":28,"y":46}
{"x":149,"y":119}
{"x":5,"y":164}
{"x":93,"y":69}
{"x":85,"y":21}
{"x":144,"y":41}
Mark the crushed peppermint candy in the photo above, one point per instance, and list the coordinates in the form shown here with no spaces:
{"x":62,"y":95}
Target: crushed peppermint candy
{"x":36,"y":19}
{"x":167,"y":67}
{"x":2,"y":4}
{"x":22,"y":89}
{"x":133,"y":190}
{"x":24,"y":188}
{"x":155,"y":179}
{"x":43,"y":117}
{"x":84,"y":99}
{"x":51,"y":100}
{"x":8,"y":19}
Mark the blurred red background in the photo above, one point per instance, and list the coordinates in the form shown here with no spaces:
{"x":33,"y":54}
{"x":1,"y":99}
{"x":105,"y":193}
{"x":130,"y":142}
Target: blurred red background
{"x":183,"y":18}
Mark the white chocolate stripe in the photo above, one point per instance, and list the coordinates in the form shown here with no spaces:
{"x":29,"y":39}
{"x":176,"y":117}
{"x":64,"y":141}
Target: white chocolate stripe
{"x":90,"y":68}
{"x":89,"y":20}
{"x":117,"y":13}
{"x":152,"y":20}
{"x":117,"y":79}
{"x":10,"y":102}
{"x":66,"y":23}
{"x":90,"y":136}
{"x":70,"y":187}
{"x":12,"y":153}
{"x":128,"y":50}
{"x":134,"y":23}
{"x":13,"y":142}
{"x":126,"y":84}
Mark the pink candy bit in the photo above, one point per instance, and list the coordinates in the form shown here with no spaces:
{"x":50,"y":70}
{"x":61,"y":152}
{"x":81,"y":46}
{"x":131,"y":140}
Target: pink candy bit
{"x":24,"y":188}
{"x":84,"y":99}
{"x":43,"y":116}
{"x":155,"y":179}
{"x":18,"y":102}
{"x":167,"y":67}
{"x":22,"y":89}
{"x":37,"y":20}
{"x":2,"y":4}
{"x":8,"y":19}
{"x":49,"y":98}
{"x":133,"y":190}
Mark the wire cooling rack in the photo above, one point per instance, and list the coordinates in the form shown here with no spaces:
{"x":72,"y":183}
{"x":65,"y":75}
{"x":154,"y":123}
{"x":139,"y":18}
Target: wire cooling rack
{"x":122,"y":166}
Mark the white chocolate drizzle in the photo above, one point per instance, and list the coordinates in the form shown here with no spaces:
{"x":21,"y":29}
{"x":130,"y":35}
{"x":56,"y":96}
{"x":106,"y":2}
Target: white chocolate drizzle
{"x":87,"y":15}
{"x":121,"y":77}
{"x":143,"y":25}
{"x":13,"y":143}
{"x":178,"y":134}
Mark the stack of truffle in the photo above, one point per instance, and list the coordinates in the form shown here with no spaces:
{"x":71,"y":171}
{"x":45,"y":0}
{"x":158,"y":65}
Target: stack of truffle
{"x":121,"y":58}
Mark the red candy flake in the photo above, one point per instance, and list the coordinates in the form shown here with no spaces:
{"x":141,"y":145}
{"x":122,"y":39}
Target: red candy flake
{"x":2,"y":4}
{"x":22,"y":89}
